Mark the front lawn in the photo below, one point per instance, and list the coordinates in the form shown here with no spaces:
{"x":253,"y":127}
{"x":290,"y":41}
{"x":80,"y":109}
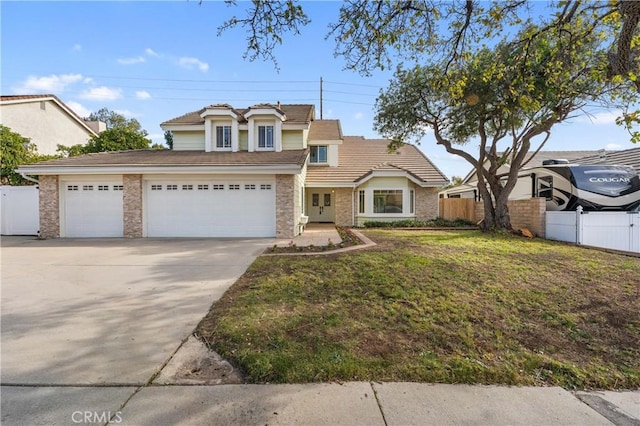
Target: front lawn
{"x":436,"y":306}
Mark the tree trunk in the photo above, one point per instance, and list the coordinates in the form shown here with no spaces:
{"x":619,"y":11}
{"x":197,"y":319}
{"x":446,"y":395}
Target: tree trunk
{"x":496,"y":214}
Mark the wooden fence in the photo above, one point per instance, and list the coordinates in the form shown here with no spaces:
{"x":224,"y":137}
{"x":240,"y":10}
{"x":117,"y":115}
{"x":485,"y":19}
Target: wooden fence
{"x":457,"y":208}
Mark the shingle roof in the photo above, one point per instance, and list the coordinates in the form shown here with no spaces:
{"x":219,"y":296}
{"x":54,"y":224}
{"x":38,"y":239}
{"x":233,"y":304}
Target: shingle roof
{"x":169,"y":158}
{"x":628,"y":157}
{"x":296,"y":114}
{"x":325,"y":130}
{"x":35,"y":98}
{"x":359,"y":157}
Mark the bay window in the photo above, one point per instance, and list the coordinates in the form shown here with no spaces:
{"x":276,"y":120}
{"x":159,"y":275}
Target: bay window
{"x":387,"y":201}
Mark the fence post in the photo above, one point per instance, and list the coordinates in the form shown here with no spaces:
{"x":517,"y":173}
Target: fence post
{"x":579,"y":225}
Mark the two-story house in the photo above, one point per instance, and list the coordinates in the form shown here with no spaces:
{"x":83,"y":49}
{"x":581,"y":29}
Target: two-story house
{"x":262,"y":171}
{"x":46,"y":121}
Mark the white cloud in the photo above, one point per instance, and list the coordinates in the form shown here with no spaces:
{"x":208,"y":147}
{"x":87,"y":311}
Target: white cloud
{"x":613,"y":147}
{"x":102,"y":93}
{"x":600,"y":118}
{"x":52,"y":83}
{"x":143,"y":94}
{"x":127,"y":113}
{"x":78,"y":108}
{"x":191,"y":63}
{"x":77,"y":47}
{"x":358,"y":116}
{"x":151,"y":52}
{"x":131,"y":61}
{"x":87,"y":80}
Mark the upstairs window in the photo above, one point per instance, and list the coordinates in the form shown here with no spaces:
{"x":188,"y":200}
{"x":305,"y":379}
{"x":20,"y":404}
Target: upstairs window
{"x":265,"y":137}
{"x":318,"y":154}
{"x":223,"y":136}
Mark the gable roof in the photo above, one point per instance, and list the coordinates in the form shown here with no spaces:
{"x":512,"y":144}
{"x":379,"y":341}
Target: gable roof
{"x":325,"y":130}
{"x":18,"y":99}
{"x":165,"y":158}
{"x":359,"y":158}
{"x":628,"y":157}
{"x":295,"y":113}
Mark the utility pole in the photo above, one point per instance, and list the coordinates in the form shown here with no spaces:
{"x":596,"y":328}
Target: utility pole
{"x":320,"y":98}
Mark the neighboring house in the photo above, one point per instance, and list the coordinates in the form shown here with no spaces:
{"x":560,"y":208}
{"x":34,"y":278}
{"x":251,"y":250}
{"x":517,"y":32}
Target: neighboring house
{"x":522,"y":190}
{"x":46,"y":121}
{"x":628,"y":157}
{"x":262,"y":171}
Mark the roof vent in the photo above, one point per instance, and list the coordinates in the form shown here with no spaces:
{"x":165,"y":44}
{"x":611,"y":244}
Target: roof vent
{"x":551,"y":162}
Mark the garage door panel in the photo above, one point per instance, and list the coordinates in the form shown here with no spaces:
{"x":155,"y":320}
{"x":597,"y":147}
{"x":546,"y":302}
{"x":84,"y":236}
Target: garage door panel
{"x":183,"y":208}
{"x":93,"y":209}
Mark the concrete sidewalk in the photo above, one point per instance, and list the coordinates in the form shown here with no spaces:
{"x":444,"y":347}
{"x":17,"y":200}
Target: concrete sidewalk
{"x":354,"y":403}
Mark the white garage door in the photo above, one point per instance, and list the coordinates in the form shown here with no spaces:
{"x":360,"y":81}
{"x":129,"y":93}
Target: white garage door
{"x":211,"y":208}
{"x":92,"y":209}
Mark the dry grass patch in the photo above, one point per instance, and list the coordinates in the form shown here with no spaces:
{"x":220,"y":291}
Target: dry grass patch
{"x":437,"y":306}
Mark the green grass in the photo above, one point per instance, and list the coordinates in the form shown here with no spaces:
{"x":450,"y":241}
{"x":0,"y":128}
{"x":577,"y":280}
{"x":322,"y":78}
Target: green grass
{"x":437,"y":306}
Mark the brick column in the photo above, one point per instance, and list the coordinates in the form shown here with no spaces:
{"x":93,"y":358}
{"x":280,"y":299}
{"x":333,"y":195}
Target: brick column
{"x":49,"y":205}
{"x":285,"y":216}
{"x":132,"y":206}
{"x":426,"y":203}
{"x":343,"y":207}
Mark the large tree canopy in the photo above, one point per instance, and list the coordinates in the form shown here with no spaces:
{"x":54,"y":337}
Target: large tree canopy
{"x":503,"y":73}
{"x":121,"y":134}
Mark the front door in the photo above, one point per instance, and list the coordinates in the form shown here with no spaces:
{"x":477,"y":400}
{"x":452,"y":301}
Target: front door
{"x":320,"y":207}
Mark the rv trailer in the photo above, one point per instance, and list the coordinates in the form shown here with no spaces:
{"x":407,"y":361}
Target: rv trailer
{"x":594,"y":187}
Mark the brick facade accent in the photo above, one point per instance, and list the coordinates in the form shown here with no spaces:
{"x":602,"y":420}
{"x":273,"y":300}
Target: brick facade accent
{"x":426,"y":203}
{"x":132,"y":206}
{"x":49,"y":205}
{"x":529,"y":213}
{"x":343,"y":207}
{"x":285,"y":210}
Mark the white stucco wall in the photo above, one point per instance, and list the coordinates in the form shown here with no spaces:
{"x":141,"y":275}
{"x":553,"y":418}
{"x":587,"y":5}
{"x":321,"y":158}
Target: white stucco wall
{"x":45,"y":123}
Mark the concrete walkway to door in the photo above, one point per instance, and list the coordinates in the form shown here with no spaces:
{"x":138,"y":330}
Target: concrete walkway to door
{"x":315,"y":234}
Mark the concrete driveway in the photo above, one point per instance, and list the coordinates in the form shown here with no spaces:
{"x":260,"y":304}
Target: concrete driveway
{"x":108,"y":311}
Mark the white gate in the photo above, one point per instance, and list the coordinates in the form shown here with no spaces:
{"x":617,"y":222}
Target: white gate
{"x":19,"y":210}
{"x":612,"y":230}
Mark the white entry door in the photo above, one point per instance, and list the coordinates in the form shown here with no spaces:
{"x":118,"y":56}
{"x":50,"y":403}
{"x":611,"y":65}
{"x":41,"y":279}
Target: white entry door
{"x":320,"y":206}
{"x":209,"y":207}
{"x":92,"y":209}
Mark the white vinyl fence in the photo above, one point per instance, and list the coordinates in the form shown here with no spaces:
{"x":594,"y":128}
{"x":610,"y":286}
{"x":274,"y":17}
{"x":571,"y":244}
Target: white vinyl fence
{"x":612,"y":230}
{"x":19,"y":213}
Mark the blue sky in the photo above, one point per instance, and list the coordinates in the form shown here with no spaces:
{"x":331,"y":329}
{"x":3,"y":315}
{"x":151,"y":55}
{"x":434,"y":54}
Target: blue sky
{"x":157,"y":60}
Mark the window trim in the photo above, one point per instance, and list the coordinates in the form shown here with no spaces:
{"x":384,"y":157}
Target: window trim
{"x":222,"y":145}
{"x":318,"y":159}
{"x":396,"y":190}
{"x":263,"y":128}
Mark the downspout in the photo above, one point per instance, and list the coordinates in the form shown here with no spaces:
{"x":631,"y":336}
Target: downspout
{"x":30,"y":179}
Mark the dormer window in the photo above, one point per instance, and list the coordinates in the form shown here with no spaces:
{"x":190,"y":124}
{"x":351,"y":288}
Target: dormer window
{"x":318,"y":154}
{"x":265,"y":137}
{"x":223,"y":137}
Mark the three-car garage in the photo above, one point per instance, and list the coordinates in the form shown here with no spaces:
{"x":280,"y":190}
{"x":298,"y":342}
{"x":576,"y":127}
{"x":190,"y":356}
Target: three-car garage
{"x":176,"y":206}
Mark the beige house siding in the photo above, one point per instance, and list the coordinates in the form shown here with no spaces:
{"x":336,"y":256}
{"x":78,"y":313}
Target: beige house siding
{"x":292,"y":139}
{"x":243,"y":140}
{"x":188,"y":141}
{"x":285,"y":210}
{"x":344,"y":207}
{"x":49,"y":207}
{"x":426,"y":203}
{"x":45,"y":123}
{"x":132,"y":205}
